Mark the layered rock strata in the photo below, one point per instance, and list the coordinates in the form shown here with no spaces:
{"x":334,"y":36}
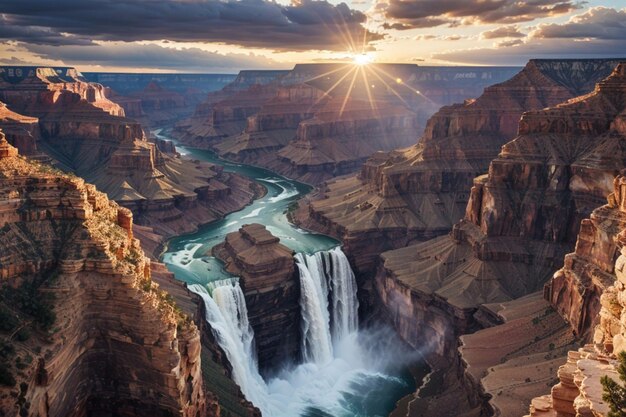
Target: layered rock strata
{"x":223,"y":114}
{"x":97,"y":335}
{"x":420,"y":192}
{"x":340,"y":137}
{"x":274,"y":125}
{"x":270,"y":285}
{"x":523,"y":216}
{"x":165,"y":192}
{"x":21,"y":131}
{"x":578,"y":391}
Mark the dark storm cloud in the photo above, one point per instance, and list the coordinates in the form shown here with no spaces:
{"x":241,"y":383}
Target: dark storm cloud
{"x":503,"y":32}
{"x":430,"y":13}
{"x":133,"y":55}
{"x":596,"y":23}
{"x":303,"y":25}
{"x":36,"y":34}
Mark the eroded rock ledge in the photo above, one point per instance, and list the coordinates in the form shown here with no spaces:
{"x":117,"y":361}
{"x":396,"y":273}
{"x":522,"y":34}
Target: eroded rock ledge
{"x":270,"y":284}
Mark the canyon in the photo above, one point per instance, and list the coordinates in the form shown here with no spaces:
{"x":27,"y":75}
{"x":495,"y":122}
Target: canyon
{"x":80,"y":130}
{"x":526,"y":168}
{"x":319,"y":121}
{"x":86,"y":329}
{"x":420,"y":192}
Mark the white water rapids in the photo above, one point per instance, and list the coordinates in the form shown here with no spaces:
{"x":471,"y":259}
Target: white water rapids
{"x":338,"y":363}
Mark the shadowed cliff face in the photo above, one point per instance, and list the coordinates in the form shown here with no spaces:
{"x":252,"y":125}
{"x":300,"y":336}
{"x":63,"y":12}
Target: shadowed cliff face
{"x":420,"y":192}
{"x":85,"y":330}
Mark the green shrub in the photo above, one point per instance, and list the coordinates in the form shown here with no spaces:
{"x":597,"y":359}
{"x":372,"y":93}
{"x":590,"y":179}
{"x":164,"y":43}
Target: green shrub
{"x":614,"y":393}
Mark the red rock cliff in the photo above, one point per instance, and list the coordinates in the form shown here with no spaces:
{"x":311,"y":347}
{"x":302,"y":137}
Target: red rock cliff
{"x":97,"y":335}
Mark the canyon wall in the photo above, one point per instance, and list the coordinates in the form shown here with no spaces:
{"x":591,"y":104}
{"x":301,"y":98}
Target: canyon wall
{"x":82,"y":131}
{"x":420,"y":192}
{"x":342,"y":114}
{"x":272,"y":290}
{"x":96,"y":335}
{"x":89,"y":325}
{"x":598,"y":266}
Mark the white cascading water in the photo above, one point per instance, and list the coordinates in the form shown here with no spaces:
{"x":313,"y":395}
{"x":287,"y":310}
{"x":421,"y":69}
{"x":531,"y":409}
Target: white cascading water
{"x":345,"y":305}
{"x":227,"y":314}
{"x":335,"y":366}
{"x":316,"y":340}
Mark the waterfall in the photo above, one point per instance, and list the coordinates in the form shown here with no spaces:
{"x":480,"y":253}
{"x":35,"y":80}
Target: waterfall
{"x":316,"y":340}
{"x":328,"y":301}
{"x":345,"y":305}
{"x":227,"y":314}
{"x":324,"y":274}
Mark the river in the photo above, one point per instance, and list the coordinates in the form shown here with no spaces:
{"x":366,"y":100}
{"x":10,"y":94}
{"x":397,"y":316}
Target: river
{"x":366,"y":371}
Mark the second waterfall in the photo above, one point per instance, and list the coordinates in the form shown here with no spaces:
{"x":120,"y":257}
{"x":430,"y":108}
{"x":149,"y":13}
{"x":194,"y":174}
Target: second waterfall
{"x":328,"y":302}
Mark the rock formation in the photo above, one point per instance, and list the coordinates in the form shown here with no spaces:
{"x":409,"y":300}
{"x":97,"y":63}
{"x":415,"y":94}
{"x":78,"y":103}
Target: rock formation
{"x":220,"y":116}
{"x":21,"y":131}
{"x":270,"y":284}
{"x":597,"y":265}
{"x":340,"y":137}
{"x":273,"y":126}
{"x":420,"y":192}
{"x":297,"y":134}
{"x":523,"y":216}
{"x":82,"y":315}
{"x":112,"y":152}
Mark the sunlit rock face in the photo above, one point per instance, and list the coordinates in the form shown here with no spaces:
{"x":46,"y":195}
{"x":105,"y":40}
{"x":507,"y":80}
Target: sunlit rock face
{"x":592,"y":286}
{"x":117,"y":344}
{"x":83,"y":132}
{"x":21,"y":131}
{"x":271,"y":287}
{"x":420,"y":192}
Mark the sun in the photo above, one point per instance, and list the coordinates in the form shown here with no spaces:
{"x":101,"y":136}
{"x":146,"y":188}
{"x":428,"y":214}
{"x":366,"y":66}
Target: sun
{"x":362,"y":59}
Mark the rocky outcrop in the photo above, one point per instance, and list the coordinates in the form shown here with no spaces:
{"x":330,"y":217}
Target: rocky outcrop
{"x":21,"y":131}
{"x":81,"y":314}
{"x":421,"y":192}
{"x":524,"y":215}
{"x":270,"y":285}
{"x":166,"y":192}
{"x":598,"y":266}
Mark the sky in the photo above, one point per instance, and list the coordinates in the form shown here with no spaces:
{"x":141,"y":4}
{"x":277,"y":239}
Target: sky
{"x":224,"y":36}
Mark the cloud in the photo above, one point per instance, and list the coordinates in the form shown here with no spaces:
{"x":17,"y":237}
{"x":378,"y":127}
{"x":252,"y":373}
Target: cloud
{"x":303,"y":25}
{"x":518,"y":53}
{"x":429,"y":13}
{"x":596,"y":23}
{"x":597,"y":33}
{"x":37,"y":34}
{"x":503,"y":32}
{"x":134,"y":55}
{"x":429,"y":37}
